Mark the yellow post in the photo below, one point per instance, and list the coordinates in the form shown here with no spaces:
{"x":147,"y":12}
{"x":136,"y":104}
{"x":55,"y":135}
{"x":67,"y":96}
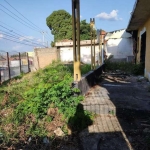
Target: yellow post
{"x":76,"y":38}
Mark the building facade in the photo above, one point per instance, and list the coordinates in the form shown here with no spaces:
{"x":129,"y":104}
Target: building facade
{"x":139,"y":27}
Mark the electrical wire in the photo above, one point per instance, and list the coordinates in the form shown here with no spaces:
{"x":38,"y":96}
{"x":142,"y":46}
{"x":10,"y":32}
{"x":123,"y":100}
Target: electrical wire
{"x":18,"y":31}
{"x":18,"y":34}
{"x":18,"y":17}
{"x":18,"y":37}
{"x":26,"y":18}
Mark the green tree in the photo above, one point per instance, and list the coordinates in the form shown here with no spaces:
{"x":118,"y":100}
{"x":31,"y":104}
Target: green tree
{"x":84,"y":30}
{"x":60,"y":24}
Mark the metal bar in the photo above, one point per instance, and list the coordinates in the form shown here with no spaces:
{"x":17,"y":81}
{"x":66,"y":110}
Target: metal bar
{"x":28,"y":62}
{"x":0,"y":78}
{"x":94,"y":49}
{"x":8,"y":65}
{"x":20,"y":62}
{"x":91,"y":51}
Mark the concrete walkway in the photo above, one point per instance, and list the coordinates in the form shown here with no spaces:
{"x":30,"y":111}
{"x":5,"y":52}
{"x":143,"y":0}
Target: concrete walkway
{"x":106,"y":132}
{"x":108,"y":101}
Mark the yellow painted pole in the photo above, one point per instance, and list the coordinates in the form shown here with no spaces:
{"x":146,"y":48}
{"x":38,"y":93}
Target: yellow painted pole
{"x":76,"y":39}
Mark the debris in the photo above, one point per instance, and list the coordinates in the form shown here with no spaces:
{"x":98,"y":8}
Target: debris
{"x":46,"y":140}
{"x":147,"y":125}
{"x":29,"y":140}
{"x":146,"y":130}
{"x":141,"y":78}
{"x":52,"y":112}
{"x":59,"y":132}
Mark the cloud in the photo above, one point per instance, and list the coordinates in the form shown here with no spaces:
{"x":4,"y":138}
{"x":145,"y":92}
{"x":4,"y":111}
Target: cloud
{"x":80,"y":16}
{"x":112,"y":16}
{"x":17,"y":47}
{"x":24,"y":38}
{"x":1,"y":36}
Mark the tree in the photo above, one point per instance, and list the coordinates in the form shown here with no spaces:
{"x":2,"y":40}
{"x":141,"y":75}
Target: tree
{"x":85,"y":30}
{"x":60,"y":24}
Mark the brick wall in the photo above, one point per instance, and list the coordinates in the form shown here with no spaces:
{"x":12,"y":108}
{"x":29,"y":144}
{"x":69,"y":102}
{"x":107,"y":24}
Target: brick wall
{"x":44,"y":56}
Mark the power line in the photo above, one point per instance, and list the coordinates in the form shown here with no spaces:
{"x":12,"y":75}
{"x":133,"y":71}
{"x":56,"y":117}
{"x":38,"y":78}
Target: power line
{"x":17,"y":16}
{"x":26,"y":19}
{"x":18,"y":20}
{"x":16,"y":30}
{"x":19,"y":35}
{"x":22,"y":14}
{"x":17,"y":42}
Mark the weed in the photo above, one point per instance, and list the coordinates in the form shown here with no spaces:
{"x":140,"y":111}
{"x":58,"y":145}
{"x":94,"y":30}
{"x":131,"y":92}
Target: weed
{"x":127,"y":67}
{"x":30,"y":98}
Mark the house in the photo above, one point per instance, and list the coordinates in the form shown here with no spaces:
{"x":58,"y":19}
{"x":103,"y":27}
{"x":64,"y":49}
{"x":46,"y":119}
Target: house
{"x":119,"y":45}
{"x":66,"y":51}
{"x":139,"y":27}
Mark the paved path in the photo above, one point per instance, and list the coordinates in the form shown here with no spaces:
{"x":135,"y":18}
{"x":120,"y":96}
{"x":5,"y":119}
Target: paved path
{"x":113,"y":98}
{"x":106,"y":132}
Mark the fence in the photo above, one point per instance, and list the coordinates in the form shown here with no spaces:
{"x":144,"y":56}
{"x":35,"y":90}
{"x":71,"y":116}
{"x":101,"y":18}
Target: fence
{"x":12,"y":64}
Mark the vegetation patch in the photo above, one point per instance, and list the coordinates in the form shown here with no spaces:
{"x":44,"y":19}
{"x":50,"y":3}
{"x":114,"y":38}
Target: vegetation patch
{"x":39,"y":103}
{"x":127,"y":67}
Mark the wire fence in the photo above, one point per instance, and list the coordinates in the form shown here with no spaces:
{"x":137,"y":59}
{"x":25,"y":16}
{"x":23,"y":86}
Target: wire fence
{"x":12,"y":64}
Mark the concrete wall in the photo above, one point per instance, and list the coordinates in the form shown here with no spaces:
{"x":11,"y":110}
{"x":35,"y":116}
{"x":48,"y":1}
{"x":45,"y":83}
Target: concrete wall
{"x":119,"y":44}
{"x":66,"y":54}
{"x":142,"y":29}
{"x":44,"y":56}
{"x":119,"y":48}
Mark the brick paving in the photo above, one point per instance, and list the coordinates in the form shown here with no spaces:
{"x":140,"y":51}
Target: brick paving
{"x":106,"y":132}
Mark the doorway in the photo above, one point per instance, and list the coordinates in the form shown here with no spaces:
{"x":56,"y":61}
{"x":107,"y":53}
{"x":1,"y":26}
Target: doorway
{"x":143,"y":50}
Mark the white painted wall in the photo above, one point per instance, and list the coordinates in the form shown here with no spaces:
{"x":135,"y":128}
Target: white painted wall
{"x":66,"y":54}
{"x":119,"y":44}
{"x":119,"y":48}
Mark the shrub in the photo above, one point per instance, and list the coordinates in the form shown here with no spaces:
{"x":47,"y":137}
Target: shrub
{"x":31,"y":97}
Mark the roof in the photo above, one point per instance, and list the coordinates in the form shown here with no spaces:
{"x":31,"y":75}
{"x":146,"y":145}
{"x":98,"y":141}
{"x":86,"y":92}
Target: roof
{"x":117,"y":34}
{"x":139,"y":15}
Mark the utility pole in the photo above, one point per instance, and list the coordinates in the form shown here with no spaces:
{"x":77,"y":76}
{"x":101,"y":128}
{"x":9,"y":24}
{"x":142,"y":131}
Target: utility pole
{"x":92,"y":25}
{"x":76,"y":39}
{"x":43,"y":33}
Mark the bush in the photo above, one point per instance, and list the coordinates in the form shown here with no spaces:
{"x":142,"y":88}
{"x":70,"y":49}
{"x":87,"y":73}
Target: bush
{"x":30,"y":98}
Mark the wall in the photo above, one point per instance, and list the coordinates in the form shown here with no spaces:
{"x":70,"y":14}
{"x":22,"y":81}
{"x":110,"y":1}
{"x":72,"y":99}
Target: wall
{"x":145,"y":27}
{"x":119,"y":48}
{"x":66,"y":54}
{"x":119,"y":44}
{"x":44,"y":56}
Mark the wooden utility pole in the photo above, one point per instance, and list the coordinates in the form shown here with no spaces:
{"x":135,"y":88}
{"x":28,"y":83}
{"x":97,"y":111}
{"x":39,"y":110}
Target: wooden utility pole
{"x":76,"y":38}
{"x":92,"y":24}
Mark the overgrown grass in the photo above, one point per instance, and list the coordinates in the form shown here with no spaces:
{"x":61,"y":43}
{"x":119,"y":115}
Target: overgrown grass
{"x":127,"y":67}
{"x":85,"y":68}
{"x":37,"y":104}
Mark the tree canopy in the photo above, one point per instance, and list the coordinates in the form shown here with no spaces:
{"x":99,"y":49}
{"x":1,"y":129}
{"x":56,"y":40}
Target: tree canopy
{"x":60,"y":24}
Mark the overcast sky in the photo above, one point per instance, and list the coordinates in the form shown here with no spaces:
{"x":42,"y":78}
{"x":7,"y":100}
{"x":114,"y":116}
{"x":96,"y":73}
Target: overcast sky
{"x":27,"y":25}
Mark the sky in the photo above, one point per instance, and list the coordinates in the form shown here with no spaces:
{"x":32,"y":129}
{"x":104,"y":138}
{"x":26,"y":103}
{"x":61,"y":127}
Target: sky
{"x":24,"y":21}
